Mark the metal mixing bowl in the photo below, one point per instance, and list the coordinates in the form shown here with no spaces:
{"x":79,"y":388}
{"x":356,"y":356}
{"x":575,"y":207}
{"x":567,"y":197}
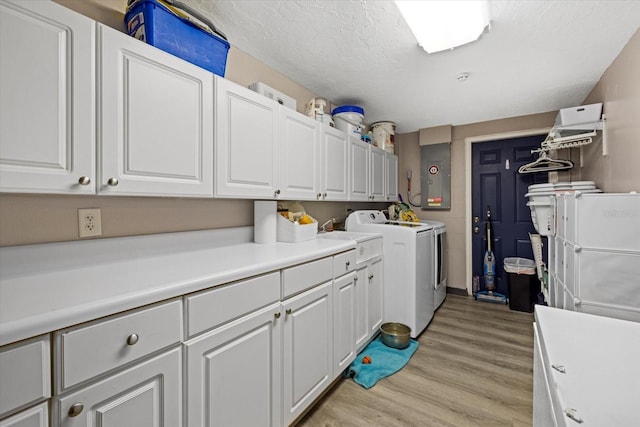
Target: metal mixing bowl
{"x":395,"y":335}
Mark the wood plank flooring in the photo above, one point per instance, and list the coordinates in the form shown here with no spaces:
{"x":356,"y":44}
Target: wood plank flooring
{"x":474,"y":367}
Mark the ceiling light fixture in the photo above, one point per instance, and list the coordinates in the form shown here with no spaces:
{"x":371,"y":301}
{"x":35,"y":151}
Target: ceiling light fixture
{"x":442,"y":25}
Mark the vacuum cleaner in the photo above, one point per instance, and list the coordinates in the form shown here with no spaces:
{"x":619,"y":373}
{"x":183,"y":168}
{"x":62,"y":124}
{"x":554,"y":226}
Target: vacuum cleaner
{"x":489,"y":267}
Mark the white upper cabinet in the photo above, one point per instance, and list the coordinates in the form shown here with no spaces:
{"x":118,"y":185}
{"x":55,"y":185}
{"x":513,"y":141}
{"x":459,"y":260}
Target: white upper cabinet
{"x":391,"y":175}
{"x":359,"y":179}
{"x":155,"y":122}
{"x":299,"y":155}
{"x":334,"y":176}
{"x":377,"y":174}
{"x":246,"y":142}
{"x":46,"y":99}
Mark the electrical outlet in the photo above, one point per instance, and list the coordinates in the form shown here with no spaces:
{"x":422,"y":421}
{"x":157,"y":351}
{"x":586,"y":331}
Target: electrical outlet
{"x":89,"y":222}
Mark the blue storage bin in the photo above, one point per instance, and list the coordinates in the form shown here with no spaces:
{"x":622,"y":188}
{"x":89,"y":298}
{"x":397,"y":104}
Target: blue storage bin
{"x":154,"y":23}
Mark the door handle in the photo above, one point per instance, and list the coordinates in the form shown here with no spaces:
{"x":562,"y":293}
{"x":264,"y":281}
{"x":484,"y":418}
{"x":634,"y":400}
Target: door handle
{"x":476,"y":230}
{"x":476,"y":219}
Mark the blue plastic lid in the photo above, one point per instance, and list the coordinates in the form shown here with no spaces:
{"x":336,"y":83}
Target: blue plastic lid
{"x":347,"y":109}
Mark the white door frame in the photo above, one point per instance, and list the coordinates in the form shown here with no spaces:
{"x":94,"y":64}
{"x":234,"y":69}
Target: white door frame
{"x":467,"y":167}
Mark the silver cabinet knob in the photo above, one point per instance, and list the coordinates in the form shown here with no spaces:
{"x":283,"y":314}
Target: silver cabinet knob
{"x":277,"y":192}
{"x":355,"y":279}
{"x":75,"y":409}
{"x":112,"y":182}
{"x":84,"y":180}
{"x":370,"y":276}
{"x":132,"y":339}
{"x":324,"y":195}
{"x":288,"y":311}
{"x":277,"y":314}
{"x":347,"y":264}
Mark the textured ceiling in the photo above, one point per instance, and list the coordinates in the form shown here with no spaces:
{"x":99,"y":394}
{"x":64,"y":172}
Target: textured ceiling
{"x":538,"y":56}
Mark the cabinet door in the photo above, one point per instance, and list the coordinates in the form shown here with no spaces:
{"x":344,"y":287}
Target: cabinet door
{"x":307,"y":348}
{"x":233,"y":373}
{"x":375,"y":283}
{"x":156,"y":120}
{"x":361,"y":309}
{"x":299,"y":148}
{"x":47,"y":99}
{"x":335,"y":165}
{"x":376,"y":174}
{"x":344,"y":304}
{"x":391,"y":177}
{"x":37,"y":416}
{"x":359,"y":180}
{"x":147,"y":394}
{"x":246,"y":142}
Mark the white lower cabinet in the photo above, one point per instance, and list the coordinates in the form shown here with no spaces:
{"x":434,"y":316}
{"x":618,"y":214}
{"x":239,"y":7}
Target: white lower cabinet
{"x":37,"y":416}
{"x":25,"y":381}
{"x":146,"y":394}
{"x":308,"y":348}
{"x":233,"y":373}
{"x":344,"y":328}
{"x":368,"y":285}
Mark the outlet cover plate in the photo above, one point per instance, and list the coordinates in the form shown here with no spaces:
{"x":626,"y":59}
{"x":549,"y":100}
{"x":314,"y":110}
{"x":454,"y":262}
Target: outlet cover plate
{"x":89,"y":222}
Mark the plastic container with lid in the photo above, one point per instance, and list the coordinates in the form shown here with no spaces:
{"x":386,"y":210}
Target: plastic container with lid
{"x":348,"y":118}
{"x":383,"y":135}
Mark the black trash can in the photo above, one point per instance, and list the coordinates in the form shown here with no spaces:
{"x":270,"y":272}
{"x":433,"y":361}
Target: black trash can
{"x":523,"y":285}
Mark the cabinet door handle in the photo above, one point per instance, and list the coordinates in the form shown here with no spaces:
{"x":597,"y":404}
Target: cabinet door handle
{"x":355,"y":279}
{"x":84,"y":180}
{"x":288,"y":311}
{"x":112,"y":182}
{"x":348,"y":263}
{"x":75,"y":409}
{"x":319,"y":196}
{"x":132,"y":339}
{"x":370,"y":276}
{"x":324,"y":195}
{"x":277,"y":314}
{"x":277,"y":192}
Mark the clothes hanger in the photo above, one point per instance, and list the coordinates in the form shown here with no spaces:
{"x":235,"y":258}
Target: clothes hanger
{"x":545,"y":164}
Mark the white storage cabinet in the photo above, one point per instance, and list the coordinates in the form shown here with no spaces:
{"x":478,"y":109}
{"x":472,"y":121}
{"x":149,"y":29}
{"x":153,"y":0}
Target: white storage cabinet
{"x":391,"y":177}
{"x":25,"y":382}
{"x":595,"y":261}
{"x":47,"y":103}
{"x":344,"y":308}
{"x":334,"y":173}
{"x":369,"y":291}
{"x":307,"y":335}
{"x":156,"y":120}
{"x":233,"y":372}
{"x":103,"y":375}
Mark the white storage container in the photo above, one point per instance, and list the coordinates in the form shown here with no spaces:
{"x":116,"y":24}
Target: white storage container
{"x":292,"y":232}
{"x":577,"y":115}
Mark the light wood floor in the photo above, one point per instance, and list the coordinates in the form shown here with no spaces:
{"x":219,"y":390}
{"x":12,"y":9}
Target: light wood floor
{"x":474,"y":367}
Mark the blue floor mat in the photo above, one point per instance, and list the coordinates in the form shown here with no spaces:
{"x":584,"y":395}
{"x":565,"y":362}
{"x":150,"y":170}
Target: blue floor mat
{"x":385,"y":361}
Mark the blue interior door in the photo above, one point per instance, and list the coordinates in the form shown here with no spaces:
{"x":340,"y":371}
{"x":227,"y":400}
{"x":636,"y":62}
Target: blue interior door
{"x":497,"y":183}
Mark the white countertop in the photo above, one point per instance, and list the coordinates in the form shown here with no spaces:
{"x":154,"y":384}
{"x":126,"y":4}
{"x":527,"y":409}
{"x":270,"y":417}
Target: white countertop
{"x":51,"y":286}
{"x":601,"y":356}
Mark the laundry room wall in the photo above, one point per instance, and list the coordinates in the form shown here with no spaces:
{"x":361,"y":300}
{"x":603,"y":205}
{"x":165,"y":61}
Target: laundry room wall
{"x":619,"y":91}
{"x":409,"y":158}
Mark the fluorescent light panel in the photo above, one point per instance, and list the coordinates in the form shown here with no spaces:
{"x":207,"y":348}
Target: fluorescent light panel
{"x":442,"y":25}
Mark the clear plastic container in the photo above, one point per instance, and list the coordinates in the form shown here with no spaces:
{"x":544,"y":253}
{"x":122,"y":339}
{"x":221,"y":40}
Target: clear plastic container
{"x":519,"y":265}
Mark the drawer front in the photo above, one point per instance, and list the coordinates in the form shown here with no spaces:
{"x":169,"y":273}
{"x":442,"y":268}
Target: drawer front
{"x":91,"y":349}
{"x":368,"y":249}
{"x":25,"y":374}
{"x":208,"y":309}
{"x":297,"y":279}
{"x":344,"y":263}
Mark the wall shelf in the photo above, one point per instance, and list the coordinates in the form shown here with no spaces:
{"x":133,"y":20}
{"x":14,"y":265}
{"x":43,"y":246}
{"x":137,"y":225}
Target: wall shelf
{"x":571,"y":136}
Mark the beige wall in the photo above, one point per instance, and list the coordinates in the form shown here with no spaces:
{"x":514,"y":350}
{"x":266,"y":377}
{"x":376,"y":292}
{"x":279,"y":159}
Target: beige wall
{"x":619,"y":91}
{"x":455,"y":218}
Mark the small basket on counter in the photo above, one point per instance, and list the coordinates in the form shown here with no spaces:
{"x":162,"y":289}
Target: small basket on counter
{"x":292,"y":231}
